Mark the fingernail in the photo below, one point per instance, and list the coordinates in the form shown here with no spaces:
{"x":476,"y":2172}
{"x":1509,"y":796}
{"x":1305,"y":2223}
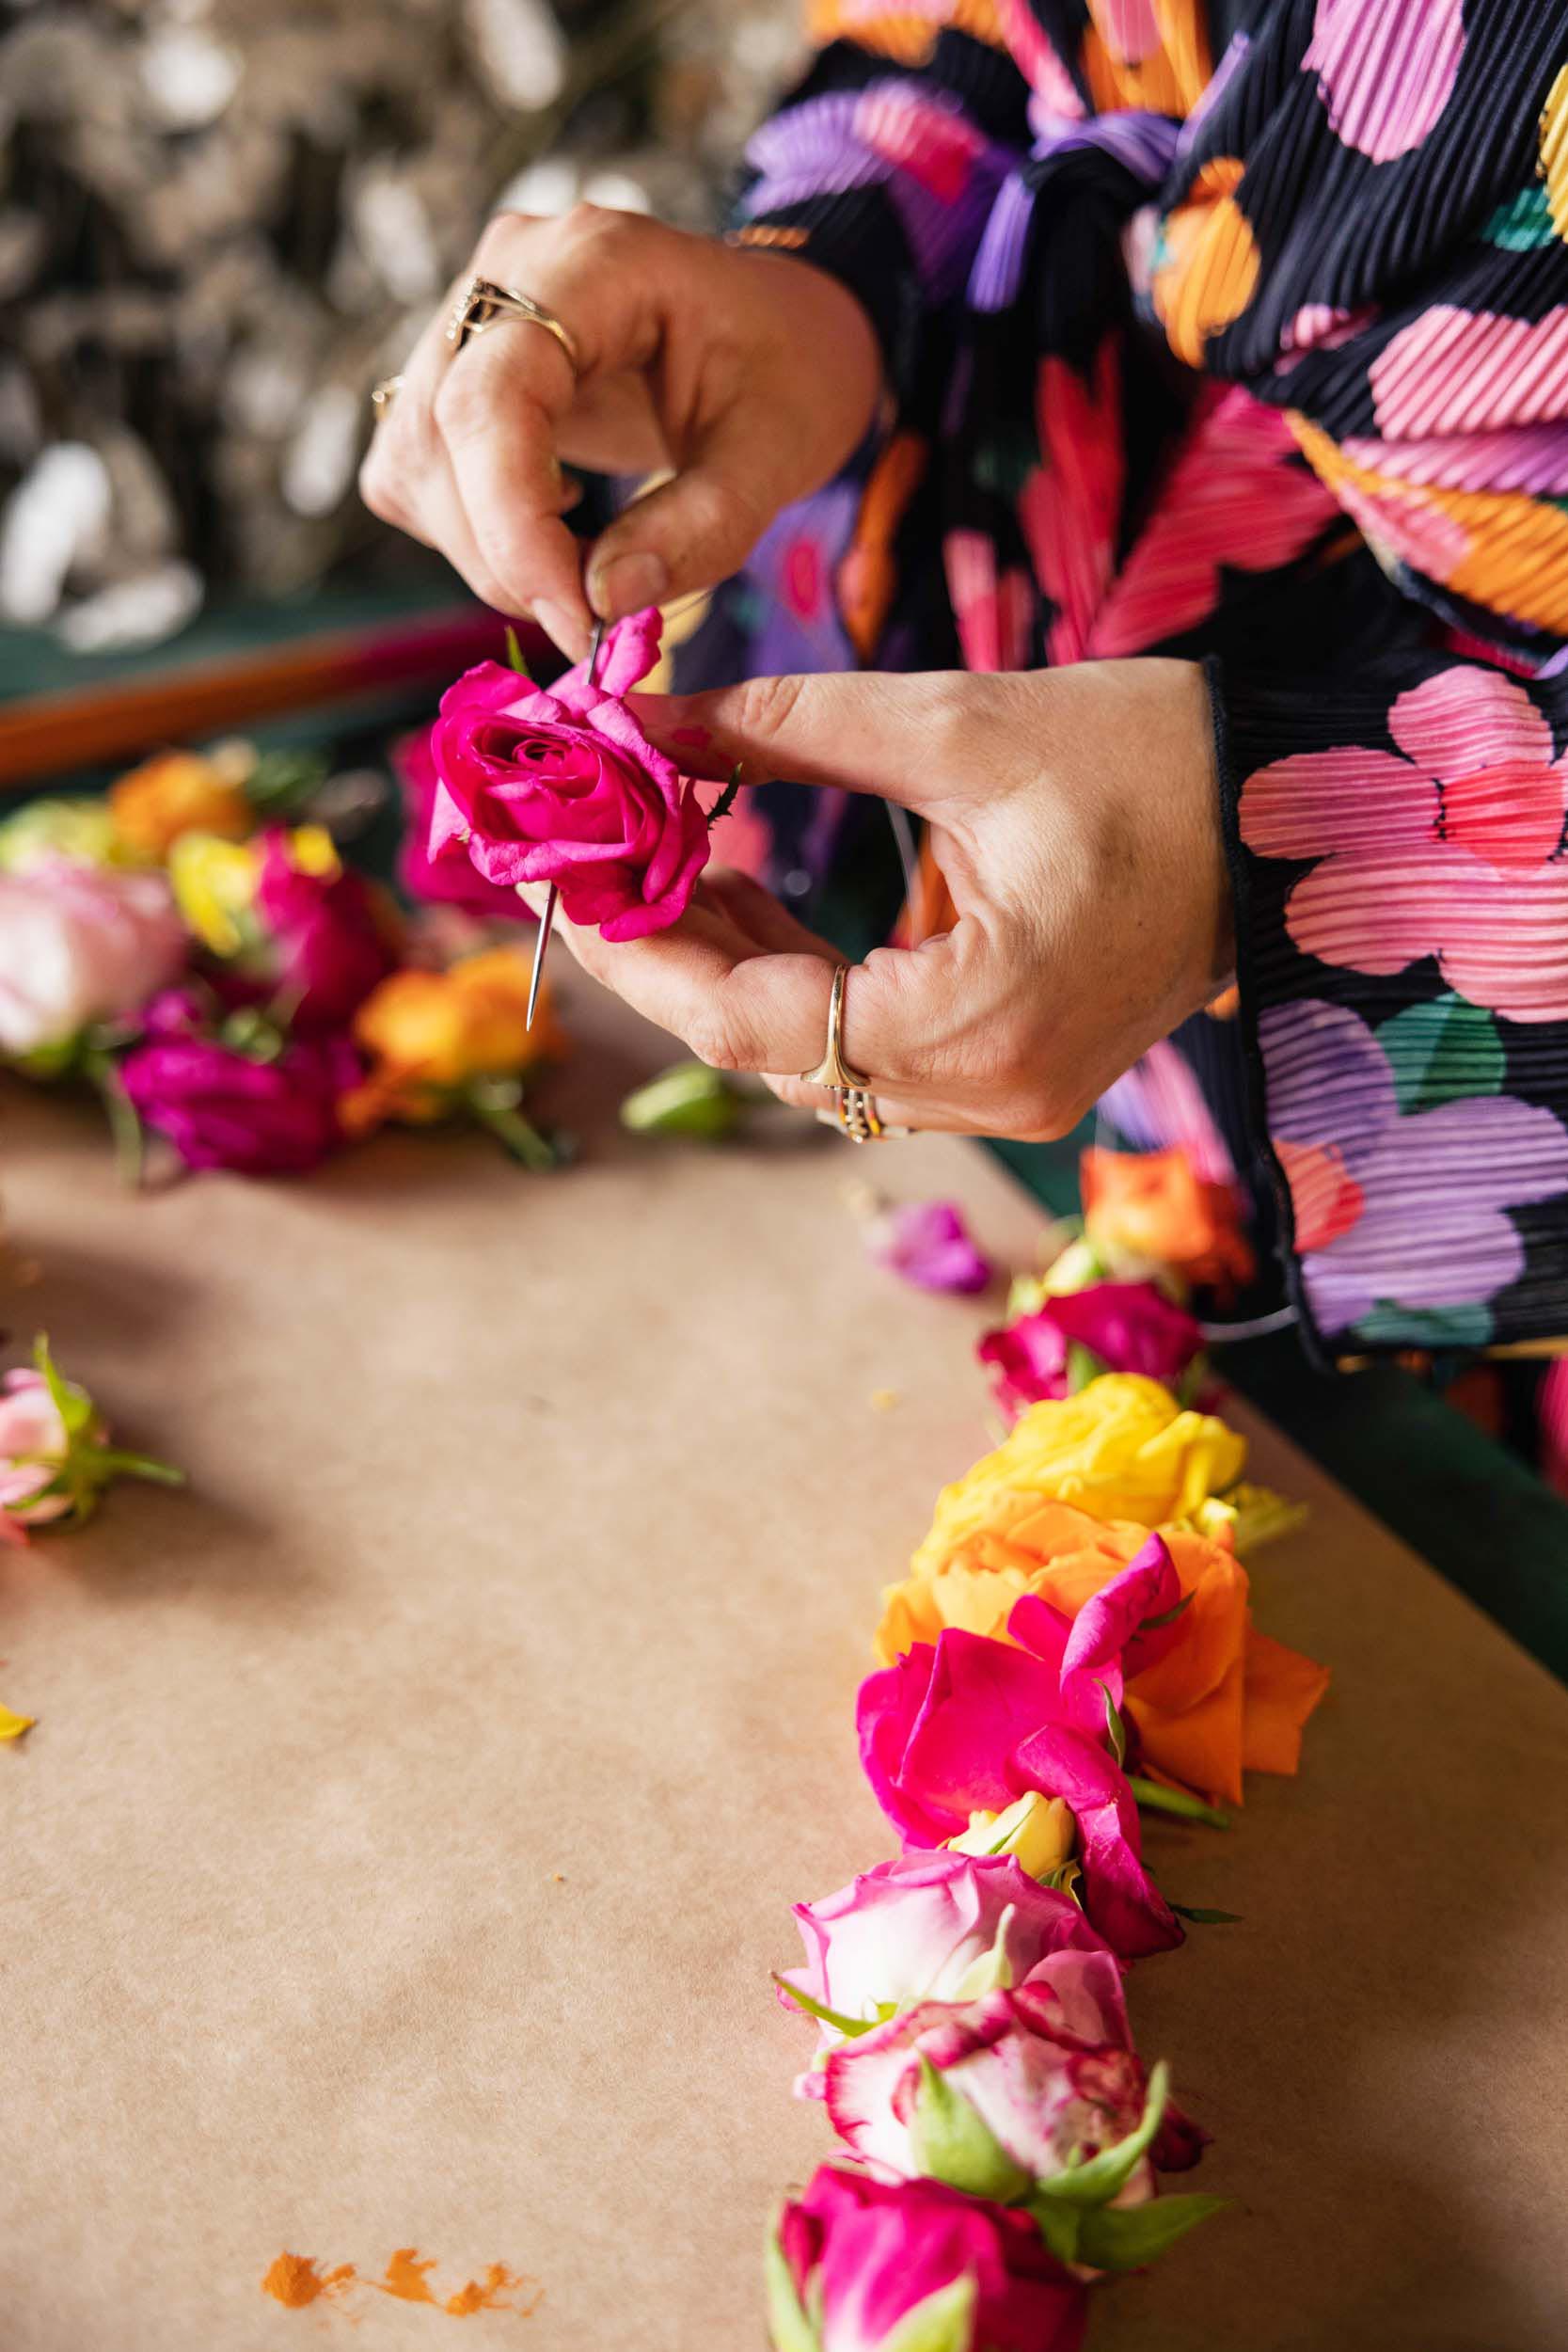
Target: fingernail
{"x":627,"y":584}
{"x":566,"y":626}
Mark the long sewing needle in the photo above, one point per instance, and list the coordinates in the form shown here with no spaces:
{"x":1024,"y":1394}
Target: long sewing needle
{"x":547,"y":921}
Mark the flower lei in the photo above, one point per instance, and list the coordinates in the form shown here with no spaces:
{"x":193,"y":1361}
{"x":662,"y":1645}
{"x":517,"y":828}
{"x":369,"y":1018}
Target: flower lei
{"x":1073,"y":1647}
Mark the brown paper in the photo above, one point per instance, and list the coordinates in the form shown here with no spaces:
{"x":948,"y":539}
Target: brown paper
{"x":417,"y":1803}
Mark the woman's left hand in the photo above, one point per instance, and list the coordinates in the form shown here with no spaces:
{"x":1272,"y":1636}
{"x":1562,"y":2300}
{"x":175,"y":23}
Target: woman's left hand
{"x":1075,"y":817}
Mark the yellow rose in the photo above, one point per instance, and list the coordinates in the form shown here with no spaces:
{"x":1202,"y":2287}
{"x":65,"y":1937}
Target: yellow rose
{"x":214,"y":882}
{"x":178,"y":792}
{"x":1039,"y":1832}
{"x":1121,"y":1448}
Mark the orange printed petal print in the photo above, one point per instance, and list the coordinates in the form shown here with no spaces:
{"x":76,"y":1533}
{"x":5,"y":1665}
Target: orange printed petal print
{"x":1208,"y":260}
{"x":297,"y":2282}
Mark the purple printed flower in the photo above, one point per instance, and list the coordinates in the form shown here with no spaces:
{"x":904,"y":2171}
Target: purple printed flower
{"x":928,"y":1243}
{"x":1407,"y":1212}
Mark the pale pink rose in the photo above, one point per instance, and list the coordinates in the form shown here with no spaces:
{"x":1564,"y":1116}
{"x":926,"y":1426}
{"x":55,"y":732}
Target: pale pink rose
{"x":926,"y":1927}
{"x":31,"y":1426}
{"x":80,"y":944}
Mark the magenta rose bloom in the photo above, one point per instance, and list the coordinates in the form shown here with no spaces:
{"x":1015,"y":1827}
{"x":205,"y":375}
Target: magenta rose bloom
{"x":331,"y":947}
{"x":563,"y":786}
{"x":856,"y":2265}
{"x":448,"y":881}
{"x":221,"y":1110}
{"x":1131,"y":1326}
{"x":973,"y":1725}
{"x":929,"y":1245}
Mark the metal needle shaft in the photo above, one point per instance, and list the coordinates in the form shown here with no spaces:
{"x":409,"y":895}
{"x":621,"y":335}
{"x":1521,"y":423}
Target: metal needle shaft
{"x":547,"y":921}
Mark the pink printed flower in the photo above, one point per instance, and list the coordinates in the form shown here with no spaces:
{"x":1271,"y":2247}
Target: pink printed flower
{"x":1131,"y":1326}
{"x":563,"y":786}
{"x":1468,"y":372}
{"x":860,"y":2265}
{"x":928,"y":1243}
{"x":971,"y":1725}
{"x":1452,"y":848}
{"x":1385,"y":71}
{"x":1238,"y":495}
{"x":928,"y":1927}
{"x":1048,"y":2071}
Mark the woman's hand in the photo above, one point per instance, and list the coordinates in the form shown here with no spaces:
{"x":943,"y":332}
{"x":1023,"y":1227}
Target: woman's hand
{"x":751,"y":375}
{"x":1076,"y":815}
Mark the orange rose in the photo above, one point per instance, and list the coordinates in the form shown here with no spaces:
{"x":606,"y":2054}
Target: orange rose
{"x":177,"y":792}
{"x":1154,"y":1204}
{"x":429,"y":1034}
{"x":1224,"y":1698}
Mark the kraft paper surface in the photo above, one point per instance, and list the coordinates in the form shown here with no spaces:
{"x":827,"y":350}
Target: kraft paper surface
{"x":392,"y":1879}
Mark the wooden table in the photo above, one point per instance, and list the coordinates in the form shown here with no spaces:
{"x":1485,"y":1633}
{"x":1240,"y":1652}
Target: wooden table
{"x":417,"y":1803}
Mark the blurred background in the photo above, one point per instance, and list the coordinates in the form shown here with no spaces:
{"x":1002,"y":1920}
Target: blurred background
{"x":220,"y":220}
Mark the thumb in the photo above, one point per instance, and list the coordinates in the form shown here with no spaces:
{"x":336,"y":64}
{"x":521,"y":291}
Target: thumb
{"x":862,"y":732}
{"x":690,"y":530}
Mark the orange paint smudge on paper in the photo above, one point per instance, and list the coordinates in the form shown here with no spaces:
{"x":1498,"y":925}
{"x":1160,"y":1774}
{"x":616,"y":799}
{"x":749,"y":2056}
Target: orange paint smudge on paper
{"x":295,"y":2282}
{"x":407,"y":2276}
{"x":499,"y":2283}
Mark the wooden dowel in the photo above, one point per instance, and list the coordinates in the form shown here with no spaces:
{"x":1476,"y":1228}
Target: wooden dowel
{"x":49,"y":735}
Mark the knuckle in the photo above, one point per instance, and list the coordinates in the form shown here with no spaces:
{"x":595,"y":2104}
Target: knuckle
{"x":462,"y":405}
{"x":763,"y":705}
{"x":713,"y":1037}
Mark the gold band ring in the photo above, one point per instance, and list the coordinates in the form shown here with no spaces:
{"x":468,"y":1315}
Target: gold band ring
{"x":832,"y":1070}
{"x":383,"y":393}
{"x":482,"y":303}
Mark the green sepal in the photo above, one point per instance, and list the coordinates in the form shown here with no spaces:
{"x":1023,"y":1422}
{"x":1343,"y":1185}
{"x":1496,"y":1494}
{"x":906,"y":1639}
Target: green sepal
{"x":944,"y":2322}
{"x":1083,"y":1366}
{"x":1201,"y":1918}
{"x":1125,"y":2237}
{"x":514,"y":655}
{"x":952,"y":2143}
{"x":1106,"y":2175}
{"x":1166,"y":1617}
{"x":850,"y":2027}
{"x":1156,"y":1798}
{"x":1115,"y":1730}
{"x":787,"y":2324}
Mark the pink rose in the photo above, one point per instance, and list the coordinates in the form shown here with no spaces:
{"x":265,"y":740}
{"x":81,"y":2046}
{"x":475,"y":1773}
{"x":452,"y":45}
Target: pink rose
{"x":860,"y":2265}
{"x":220,"y":1109}
{"x":1002,"y":2096}
{"x":971,"y":1725}
{"x":80,"y":944}
{"x":563,"y":786}
{"x":449,"y":882}
{"x":932,"y":1926}
{"x":30,"y":1427}
{"x":332,"y":946}
{"x":929,"y":1245}
{"x":1131,"y":1326}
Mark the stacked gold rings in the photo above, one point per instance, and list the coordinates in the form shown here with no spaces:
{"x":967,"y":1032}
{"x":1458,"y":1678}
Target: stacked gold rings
{"x":854,"y":1103}
{"x":482,"y":303}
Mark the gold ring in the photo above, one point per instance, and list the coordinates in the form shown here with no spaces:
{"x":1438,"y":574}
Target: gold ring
{"x":832,"y":1070}
{"x":482,"y":303}
{"x":383,"y":393}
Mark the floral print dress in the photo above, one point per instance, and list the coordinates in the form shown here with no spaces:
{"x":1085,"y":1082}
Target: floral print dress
{"x":1239,"y":331}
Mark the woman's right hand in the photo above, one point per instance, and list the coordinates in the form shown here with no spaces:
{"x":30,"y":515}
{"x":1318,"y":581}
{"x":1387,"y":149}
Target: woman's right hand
{"x":747,"y":373}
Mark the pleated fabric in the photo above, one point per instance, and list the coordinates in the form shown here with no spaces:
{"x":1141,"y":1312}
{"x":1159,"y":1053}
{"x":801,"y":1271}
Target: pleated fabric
{"x":1239,"y":331}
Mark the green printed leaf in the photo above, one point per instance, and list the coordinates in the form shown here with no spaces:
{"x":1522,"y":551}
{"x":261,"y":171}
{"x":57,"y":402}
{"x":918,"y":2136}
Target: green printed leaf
{"x":1524,"y":222}
{"x":1442,"y":1052}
